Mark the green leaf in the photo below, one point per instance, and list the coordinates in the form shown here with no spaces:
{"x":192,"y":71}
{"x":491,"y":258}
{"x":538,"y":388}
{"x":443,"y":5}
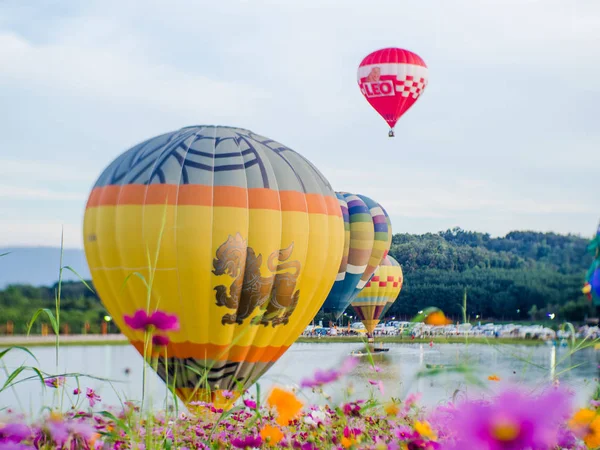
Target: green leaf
{"x":80,"y":277}
{"x":12,"y":376}
{"x":18,"y":347}
{"x":137,"y":274}
{"x":50,"y":317}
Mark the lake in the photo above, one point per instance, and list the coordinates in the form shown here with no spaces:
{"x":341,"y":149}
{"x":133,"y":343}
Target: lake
{"x":531,"y":365}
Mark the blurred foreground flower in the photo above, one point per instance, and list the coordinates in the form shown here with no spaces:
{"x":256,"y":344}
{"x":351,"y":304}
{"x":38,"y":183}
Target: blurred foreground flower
{"x":159,"y":340}
{"x":586,"y":425}
{"x":158,"y":320}
{"x":271,"y":435}
{"x":512,"y":421}
{"x":322,"y":377}
{"x":286,"y":403}
{"x":494,"y":378}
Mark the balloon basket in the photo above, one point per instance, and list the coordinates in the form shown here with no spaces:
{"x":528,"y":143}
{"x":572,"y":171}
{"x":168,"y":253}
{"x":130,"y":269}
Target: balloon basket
{"x":391,"y":133}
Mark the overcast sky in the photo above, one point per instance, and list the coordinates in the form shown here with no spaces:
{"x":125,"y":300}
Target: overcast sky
{"x":505,"y":137}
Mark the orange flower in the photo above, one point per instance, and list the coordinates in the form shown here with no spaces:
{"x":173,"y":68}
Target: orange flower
{"x":586,"y":424}
{"x":286,"y":403}
{"x":437,"y":318}
{"x":494,"y":378}
{"x":271,"y":435}
{"x":347,"y":442}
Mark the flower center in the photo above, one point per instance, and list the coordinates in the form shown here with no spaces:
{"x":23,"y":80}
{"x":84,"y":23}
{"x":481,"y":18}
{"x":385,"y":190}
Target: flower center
{"x":505,"y":430}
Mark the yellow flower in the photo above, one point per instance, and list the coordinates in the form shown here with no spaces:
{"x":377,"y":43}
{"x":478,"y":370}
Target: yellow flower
{"x":286,"y":403}
{"x":494,"y":378}
{"x":424,"y":429}
{"x":586,"y":424}
{"x":271,"y":435}
{"x":392,"y":409}
{"x":347,"y":443}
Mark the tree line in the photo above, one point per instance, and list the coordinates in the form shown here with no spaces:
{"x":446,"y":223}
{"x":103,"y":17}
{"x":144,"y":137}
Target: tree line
{"x":524,"y":275}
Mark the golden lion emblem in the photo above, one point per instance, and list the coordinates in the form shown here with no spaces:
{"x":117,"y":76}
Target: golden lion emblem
{"x":275,"y":295}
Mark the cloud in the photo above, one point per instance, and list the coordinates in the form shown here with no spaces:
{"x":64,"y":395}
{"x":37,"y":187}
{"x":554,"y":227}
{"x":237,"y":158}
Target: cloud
{"x":14,"y":233}
{"x":44,"y":171}
{"x":109,"y":75}
{"x":26,"y":193}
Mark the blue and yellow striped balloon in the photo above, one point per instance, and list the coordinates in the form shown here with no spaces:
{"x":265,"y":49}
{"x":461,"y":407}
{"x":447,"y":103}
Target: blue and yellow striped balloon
{"x":368,"y":236}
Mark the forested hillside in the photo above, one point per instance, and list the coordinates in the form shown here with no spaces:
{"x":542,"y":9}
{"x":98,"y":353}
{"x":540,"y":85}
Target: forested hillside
{"x":523,"y":276}
{"x":505,"y":277}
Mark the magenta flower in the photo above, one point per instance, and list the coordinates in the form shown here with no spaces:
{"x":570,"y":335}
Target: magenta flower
{"x":247,"y":441}
{"x":404,"y":433}
{"x":512,"y":421}
{"x":14,"y":432}
{"x":159,"y":340}
{"x":250,"y":403}
{"x":158,"y":320}
{"x":92,"y":397}
{"x":54,"y":382}
{"x":76,"y":391}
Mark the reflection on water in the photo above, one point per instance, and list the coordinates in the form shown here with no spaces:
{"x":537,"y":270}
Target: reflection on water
{"x":438,"y":372}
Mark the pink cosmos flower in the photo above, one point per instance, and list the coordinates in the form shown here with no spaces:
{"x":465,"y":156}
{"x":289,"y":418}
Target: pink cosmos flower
{"x":92,"y":397}
{"x":322,"y":377}
{"x":250,"y":403}
{"x":159,"y":340}
{"x":411,"y":400}
{"x":76,"y":391}
{"x":379,"y":385}
{"x":61,"y":430}
{"x":227,"y":395}
{"x":55,"y":382}
{"x":158,"y":320}
{"x":512,"y":421}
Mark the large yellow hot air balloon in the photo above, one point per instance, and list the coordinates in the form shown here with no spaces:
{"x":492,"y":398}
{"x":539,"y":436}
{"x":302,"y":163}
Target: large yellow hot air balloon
{"x":249,"y":237}
{"x":379,"y":293}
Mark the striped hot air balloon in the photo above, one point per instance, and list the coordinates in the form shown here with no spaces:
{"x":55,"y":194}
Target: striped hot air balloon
{"x":379,"y":293}
{"x":367,"y":241}
{"x":248,"y":233}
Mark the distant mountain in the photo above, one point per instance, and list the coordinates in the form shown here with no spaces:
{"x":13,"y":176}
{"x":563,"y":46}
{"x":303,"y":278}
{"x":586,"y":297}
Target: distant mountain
{"x":38,"y":266}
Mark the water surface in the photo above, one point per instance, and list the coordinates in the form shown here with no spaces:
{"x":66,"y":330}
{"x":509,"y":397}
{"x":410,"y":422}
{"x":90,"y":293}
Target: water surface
{"x":401,"y":366}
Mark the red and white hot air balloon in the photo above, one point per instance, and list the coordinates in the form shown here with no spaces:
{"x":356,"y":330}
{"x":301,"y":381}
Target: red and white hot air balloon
{"x":392,"y":79}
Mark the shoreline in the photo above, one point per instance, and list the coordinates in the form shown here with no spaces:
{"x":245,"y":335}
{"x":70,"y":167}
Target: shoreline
{"x":119,"y":339}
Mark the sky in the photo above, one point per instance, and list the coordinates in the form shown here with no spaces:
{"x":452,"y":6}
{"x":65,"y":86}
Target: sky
{"x":505,"y":137}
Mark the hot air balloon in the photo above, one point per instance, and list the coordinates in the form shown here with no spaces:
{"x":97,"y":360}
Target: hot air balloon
{"x":380,"y":292}
{"x":592,"y":278}
{"x":368,"y":236}
{"x":392,"y":79}
{"x":249,"y":237}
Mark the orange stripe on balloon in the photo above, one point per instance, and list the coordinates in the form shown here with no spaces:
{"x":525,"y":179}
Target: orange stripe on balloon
{"x":234,"y":353}
{"x":201,"y":195}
